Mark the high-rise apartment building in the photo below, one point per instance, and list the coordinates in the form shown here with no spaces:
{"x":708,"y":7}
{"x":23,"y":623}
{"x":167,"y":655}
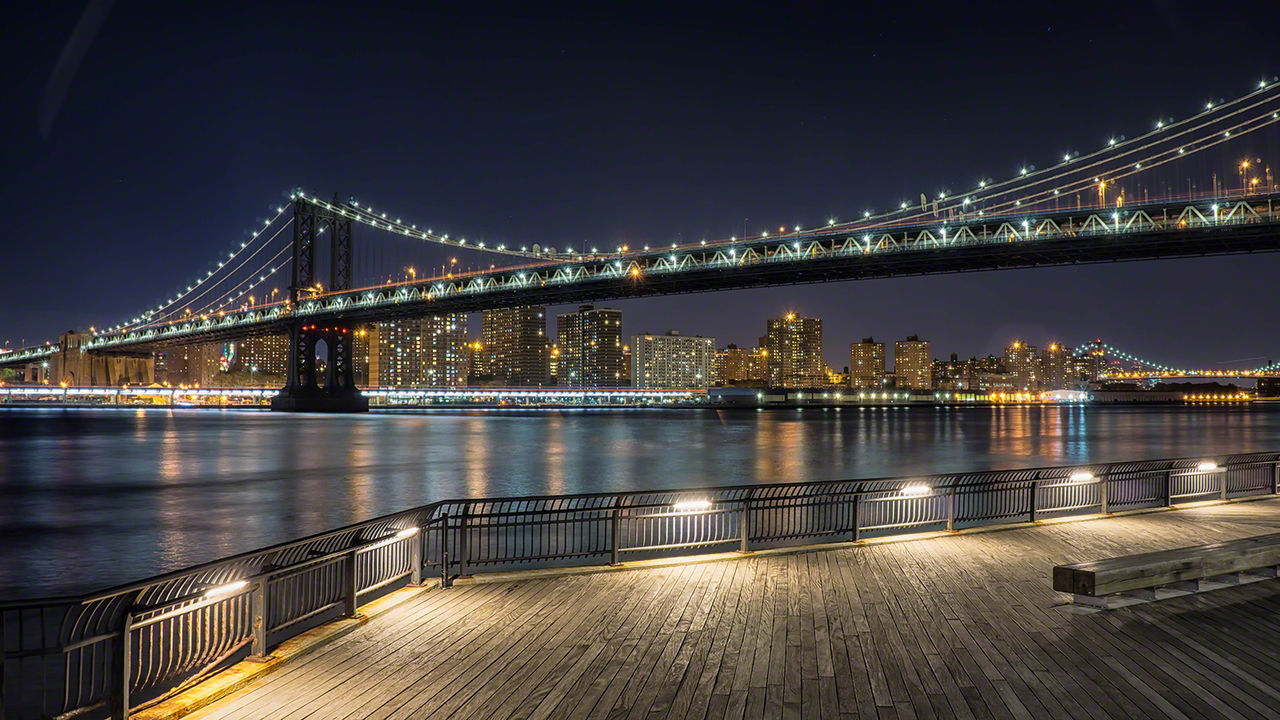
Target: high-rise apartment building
{"x":1022,"y":362}
{"x":866,"y":364}
{"x":419,"y":352}
{"x":742,"y":366}
{"x":444,"y":350}
{"x":672,"y":361}
{"x":795,"y":352}
{"x":513,"y":346}
{"x":266,"y":354}
{"x":590,"y":345}
{"x":913,"y":363}
{"x":1056,"y":367}
{"x":395,"y":353}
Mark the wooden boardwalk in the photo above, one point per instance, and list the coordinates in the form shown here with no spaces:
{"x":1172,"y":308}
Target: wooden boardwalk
{"x":959,"y":626}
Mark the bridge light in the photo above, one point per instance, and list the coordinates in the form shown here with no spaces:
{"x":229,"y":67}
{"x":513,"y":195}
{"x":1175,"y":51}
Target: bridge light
{"x":1208,"y":106}
{"x":1066,"y":158}
{"x":1023,"y":171}
{"x":1111,"y":142}
{"x":903,"y":205}
{"x":1159,"y":124}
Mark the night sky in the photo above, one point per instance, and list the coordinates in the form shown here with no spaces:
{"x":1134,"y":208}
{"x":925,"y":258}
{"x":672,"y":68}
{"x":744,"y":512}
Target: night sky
{"x":167,"y":130}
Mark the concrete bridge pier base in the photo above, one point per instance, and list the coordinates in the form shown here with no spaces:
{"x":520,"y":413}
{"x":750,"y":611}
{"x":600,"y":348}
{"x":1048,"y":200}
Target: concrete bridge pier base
{"x":311,"y":387}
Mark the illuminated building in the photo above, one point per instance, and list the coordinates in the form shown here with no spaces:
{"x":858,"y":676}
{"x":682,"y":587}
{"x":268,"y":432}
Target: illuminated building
{"x":395,"y":353}
{"x":742,"y":366}
{"x":866,"y":364}
{"x":672,"y":361}
{"x":266,"y":354}
{"x":1022,"y":362}
{"x":795,"y":352}
{"x":513,"y":346}
{"x":1056,"y":368}
{"x":590,"y":344}
{"x":444,"y":350}
{"x":913,"y":363}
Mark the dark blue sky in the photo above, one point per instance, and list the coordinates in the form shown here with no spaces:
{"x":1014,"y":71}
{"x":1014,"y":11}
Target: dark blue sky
{"x":183,"y":123}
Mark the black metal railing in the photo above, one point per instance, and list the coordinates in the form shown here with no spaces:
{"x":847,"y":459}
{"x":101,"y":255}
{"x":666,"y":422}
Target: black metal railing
{"x":99,"y":654}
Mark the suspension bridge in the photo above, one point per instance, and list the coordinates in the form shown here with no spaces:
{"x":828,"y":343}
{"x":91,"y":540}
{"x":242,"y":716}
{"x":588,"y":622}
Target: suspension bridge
{"x":1198,"y":186}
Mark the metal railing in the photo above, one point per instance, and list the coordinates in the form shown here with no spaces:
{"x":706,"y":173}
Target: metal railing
{"x":99,"y":654}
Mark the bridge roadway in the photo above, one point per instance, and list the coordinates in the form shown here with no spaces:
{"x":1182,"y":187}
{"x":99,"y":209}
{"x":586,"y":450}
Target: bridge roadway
{"x":963,"y":626}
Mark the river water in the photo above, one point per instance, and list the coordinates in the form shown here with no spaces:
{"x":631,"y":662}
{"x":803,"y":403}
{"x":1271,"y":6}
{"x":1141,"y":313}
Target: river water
{"x":95,"y":497}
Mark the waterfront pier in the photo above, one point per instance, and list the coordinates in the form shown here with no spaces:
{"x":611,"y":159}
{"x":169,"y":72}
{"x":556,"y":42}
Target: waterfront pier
{"x":961,"y":626}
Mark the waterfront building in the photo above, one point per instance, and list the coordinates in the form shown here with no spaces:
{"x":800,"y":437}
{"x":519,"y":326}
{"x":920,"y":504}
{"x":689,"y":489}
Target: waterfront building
{"x":513,"y":346}
{"x":742,"y":366}
{"x":1022,"y":362}
{"x":866,"y":364}
{"x":266,"y":354}
{"x":444,"y":350}
{"x":913,"y":363}
{"x":553,"y":364}
{"x":795,"y":352}
{"x":395,"y":353}
{"x":672,"y":361}
{"x":590,"y":344}
{"x":1056,"y":367}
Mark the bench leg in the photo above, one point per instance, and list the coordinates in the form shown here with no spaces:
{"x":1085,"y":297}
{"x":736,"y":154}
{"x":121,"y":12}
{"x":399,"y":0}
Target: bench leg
{"x":1266,"y":572}
{"x":1102,"y":603}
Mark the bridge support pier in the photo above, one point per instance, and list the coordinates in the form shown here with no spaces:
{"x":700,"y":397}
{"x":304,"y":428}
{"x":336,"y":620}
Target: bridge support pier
{"x":315,"y":387}
{"x":311,"y":387}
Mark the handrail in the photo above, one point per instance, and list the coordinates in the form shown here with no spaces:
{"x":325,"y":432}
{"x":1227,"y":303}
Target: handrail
{"x":125,"y":646}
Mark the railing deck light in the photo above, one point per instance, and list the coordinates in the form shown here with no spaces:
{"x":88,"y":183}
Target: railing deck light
{"x":407,"y":532}
{"x":692,"y":505}
{"x":1207,"y":466}
{"x":1080,"y":476}
{"x":916,"y":490}
{"x":228,"y":589}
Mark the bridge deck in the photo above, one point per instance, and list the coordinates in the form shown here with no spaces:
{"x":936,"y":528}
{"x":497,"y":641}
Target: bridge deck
{"x":962,"y":626}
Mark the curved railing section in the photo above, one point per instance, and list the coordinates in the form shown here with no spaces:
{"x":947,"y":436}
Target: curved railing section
{"x":127,"y":647}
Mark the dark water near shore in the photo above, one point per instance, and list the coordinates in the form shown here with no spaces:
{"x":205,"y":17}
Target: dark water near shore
{"x":91,"y":498}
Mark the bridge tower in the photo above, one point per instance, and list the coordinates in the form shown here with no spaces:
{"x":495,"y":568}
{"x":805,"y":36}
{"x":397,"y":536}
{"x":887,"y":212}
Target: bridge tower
{"x":307,"y":387}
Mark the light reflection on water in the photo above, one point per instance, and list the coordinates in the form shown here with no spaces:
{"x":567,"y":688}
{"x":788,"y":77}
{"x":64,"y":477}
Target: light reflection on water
{"x":91,"y":498}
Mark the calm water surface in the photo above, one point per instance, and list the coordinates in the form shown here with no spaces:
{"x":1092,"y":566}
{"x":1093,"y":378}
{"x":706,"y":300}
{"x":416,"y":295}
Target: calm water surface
{"x":92,"y":498}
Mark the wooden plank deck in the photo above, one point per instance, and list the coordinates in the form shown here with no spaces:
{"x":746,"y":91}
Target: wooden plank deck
{"x":960,"y":626}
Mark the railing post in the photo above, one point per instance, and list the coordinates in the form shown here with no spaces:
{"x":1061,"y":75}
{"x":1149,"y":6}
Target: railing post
{"x":615,"y":533}
{"x":444,"y":551}
{"x":1035,"y":485}
{"x":951,"y":509}
{"x":1168,"y":488}
{"x":415,"y":556}
{"x":351,"y":587}
{"x":464,"y":540}
{"x":123,"y":669}
{"x":258,"y":608}
{"x":1222,"y":483}
{"x":857,"y":517}
{"x":744,"y":525}
{"x":1106,"y":494}
{"x":1275,"y":478}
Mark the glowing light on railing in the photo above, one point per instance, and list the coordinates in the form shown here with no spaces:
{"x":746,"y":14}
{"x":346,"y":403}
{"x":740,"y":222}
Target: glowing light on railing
{"x":407,"y":532}
{"x":915,"y":490}
{"x":228,"y":589}
{"x":692,"y":505}
{"x":1207,"y":466}
{"x":1080,"y":476}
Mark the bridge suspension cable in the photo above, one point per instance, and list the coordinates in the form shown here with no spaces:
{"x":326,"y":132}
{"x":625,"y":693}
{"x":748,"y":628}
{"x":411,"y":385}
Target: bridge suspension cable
{"x":1072,"y":164}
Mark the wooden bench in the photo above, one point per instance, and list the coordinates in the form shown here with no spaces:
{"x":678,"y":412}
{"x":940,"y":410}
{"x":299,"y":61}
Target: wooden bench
{"x":1094,"y":583}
